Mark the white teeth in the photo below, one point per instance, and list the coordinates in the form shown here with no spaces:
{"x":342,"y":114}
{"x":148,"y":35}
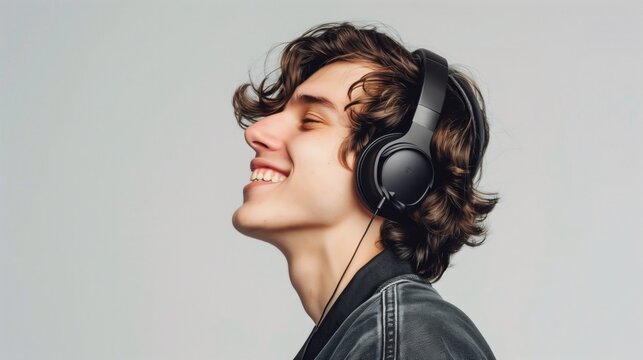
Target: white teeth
{"x":266,"y":175}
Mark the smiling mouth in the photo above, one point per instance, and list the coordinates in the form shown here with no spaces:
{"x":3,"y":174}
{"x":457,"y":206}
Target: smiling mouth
{"x":267,"y":176}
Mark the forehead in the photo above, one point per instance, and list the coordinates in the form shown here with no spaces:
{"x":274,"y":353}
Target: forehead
{"x":333,"y":81}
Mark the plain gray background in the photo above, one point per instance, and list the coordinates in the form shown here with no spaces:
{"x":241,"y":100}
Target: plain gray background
{"x":121,"y":165}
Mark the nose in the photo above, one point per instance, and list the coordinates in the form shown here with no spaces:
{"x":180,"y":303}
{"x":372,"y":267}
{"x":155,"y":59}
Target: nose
{"x":268,"y":133}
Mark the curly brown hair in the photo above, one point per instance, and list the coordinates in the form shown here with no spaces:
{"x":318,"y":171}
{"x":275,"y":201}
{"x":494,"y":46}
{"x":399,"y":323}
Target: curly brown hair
{"x":453,"y":212}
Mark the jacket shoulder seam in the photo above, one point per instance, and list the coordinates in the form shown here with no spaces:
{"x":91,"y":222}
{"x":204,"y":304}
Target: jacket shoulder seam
{"x":389,"y":321}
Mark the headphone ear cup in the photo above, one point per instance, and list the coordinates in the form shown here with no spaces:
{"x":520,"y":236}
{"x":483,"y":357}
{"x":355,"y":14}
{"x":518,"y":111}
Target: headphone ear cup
{"x":366,"y":178}
{"x":404,"y":170}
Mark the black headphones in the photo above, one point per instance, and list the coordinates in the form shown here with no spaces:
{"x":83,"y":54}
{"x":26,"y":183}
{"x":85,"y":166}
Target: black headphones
{"x":398,"y":166}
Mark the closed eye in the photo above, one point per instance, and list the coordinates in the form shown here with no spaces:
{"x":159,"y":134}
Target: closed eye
{"x":306,"y":120}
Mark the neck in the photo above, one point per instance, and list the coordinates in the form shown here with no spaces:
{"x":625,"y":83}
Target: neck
{"x":317,"y":259}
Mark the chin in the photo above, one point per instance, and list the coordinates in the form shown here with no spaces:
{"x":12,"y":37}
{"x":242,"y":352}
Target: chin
{"x":239,"y":222}
{"x":245,"y":222}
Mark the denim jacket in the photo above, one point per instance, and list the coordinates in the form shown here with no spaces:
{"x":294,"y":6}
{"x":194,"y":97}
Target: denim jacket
{"x":388,"y":312}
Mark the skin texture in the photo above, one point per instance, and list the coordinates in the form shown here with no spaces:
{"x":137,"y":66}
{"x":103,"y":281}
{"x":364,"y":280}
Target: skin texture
{"x":314,"y":217}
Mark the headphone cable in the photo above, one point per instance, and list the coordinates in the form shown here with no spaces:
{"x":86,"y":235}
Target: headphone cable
{"x":379,"y":206}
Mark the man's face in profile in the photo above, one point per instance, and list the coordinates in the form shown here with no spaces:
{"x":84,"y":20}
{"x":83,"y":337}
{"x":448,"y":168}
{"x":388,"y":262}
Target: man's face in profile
{"x":303,"y":142}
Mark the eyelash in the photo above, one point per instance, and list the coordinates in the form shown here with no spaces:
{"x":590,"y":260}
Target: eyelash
{"x":307,"y":120}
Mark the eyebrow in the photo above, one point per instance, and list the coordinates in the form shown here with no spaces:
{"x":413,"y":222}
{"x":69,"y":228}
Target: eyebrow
{"x":315,"y":100}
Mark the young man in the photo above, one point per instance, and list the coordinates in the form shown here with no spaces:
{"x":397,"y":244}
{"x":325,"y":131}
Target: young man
{"x":368,"y":292}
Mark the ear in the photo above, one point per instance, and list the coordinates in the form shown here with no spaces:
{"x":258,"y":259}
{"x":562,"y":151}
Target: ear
{"x":351,"y":159}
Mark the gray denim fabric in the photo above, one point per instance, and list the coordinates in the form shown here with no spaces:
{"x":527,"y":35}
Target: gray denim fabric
{"x":405,"y":318}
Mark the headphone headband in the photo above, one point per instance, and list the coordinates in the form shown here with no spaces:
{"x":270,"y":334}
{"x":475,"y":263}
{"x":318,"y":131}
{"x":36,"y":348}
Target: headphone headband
{"x":433,"y":89}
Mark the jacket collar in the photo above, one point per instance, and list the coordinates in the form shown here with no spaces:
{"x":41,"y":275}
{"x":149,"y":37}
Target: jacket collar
{"x":381,"y":268}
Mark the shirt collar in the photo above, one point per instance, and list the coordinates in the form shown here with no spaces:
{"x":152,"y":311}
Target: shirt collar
{"x":365,"y":282}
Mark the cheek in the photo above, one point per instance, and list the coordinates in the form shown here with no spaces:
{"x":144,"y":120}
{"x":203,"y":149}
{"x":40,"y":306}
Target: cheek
{"x":319,"y":159}
{"x":319,"y":173}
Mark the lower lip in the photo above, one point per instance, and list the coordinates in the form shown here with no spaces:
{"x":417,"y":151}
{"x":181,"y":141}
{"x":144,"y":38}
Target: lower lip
{"x":254,"y":184}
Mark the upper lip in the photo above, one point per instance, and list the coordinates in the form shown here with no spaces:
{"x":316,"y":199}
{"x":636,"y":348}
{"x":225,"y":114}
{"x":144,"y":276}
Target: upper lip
{"x":261,"y":163}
